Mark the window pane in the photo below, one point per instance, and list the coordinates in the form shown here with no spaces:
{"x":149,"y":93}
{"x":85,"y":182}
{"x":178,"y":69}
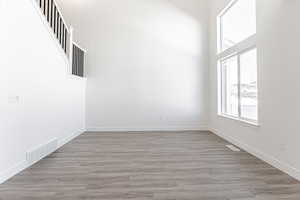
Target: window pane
{"x":238,"y":23}
{"x":230,"y":86}
{"x":248,"y":67}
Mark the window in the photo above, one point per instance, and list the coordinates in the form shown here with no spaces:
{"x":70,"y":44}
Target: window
{"x":238,"y":89}
{"x":237,"y":22}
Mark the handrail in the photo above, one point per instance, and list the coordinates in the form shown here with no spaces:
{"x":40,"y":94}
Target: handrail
{"x":80,"y":47}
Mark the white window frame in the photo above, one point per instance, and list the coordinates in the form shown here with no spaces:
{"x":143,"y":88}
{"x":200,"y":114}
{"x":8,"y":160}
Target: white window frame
{"x":236,"y":50}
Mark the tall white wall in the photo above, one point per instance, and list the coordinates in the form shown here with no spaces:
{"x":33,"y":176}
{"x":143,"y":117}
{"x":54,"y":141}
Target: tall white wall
{"x":147,"y":62}
{"x":39,"y":101}
{"x":277,"y":138}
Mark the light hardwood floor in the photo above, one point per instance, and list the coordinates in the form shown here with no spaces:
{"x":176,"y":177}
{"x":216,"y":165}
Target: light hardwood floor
{"x":150,"y":166}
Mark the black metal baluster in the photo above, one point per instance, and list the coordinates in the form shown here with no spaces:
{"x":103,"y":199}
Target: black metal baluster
{"x":48,"y":14}
{"x":75,"y":64}
{"x":51,"y":16}
{"x":40,"y":3}
{"x":60,"y":27}
{"x":81,"y":63}
{"x":44,"y":5}
{"x":57,"y":25}
{"x":83,"y":53}
{"x":76,"y":60}
{"x":63,"y":36}
{"x":73,"y":60}
{"x":66,"y":39}
{"x":77,"y":68}
{"x":54,"y":24}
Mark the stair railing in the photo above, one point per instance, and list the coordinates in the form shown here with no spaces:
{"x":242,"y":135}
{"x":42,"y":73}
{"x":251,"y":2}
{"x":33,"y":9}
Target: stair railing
{"x":77,"y":63}
{"x":63,"y":34}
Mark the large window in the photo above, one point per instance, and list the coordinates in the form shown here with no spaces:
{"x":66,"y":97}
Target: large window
{"x":238,"y":89}
{"x":237,"y":22}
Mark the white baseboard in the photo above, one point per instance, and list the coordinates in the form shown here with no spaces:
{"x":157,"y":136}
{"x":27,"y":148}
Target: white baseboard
{"x":69,"y":138}
{"x":157,"y":128}
{"x":290,"y":170}
{"x":24,"y":164}
{"x":9,"y":173}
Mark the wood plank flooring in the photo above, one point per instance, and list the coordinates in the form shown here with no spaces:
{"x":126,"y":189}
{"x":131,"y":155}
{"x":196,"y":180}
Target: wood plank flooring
{"x":150,"y":166}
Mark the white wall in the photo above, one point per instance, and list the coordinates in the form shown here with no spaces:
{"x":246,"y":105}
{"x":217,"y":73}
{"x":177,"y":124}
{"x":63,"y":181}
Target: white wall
{"x":39,"y":101}
{"x":277,"y":139}
{"x":147,"y":62}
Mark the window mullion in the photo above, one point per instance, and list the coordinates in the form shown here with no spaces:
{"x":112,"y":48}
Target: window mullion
{"x":221,"y":82}
{"x":239,"y":85}
{"x":224,"y":70}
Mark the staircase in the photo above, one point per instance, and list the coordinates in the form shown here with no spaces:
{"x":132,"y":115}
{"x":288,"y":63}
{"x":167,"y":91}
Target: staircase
{"x":63,"y":34}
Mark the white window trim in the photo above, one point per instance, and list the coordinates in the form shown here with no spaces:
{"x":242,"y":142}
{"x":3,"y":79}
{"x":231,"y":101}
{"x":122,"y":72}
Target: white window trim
{"x":247,"y":122}
{"x":237,"y":50}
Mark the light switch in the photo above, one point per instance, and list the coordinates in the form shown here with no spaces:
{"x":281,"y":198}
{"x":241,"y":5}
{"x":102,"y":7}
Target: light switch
{"x":13,"y":99}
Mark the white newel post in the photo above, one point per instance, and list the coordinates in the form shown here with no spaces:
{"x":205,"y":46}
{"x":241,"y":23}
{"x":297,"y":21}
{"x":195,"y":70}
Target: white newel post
{"x":71,"y":49}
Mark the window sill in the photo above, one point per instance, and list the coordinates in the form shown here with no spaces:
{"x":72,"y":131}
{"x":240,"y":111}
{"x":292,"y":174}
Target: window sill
{"x":254,"y":124}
